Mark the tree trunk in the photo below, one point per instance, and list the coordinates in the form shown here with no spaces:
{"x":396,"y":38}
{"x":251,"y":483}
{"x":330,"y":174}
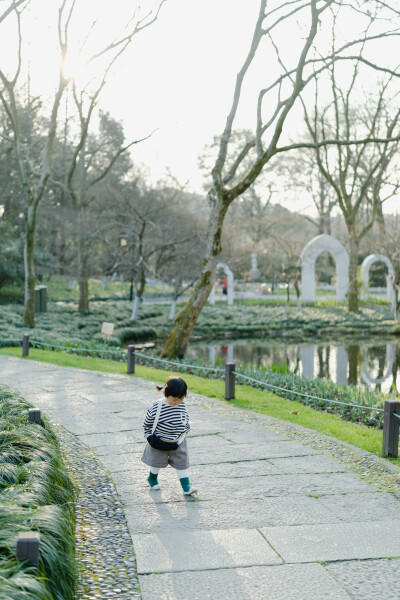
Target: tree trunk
{"x":139,"y":292}
{"x":172,"y":311}
{"x":177,"y":292}
{"x":135,"y":308}
{"x":353,"y":272}
{"x":83,"y":273}
{"x":83,"y":293}
{"x":29,"y":261}
{"x":83,"y":279}
{"x":186,"y":319}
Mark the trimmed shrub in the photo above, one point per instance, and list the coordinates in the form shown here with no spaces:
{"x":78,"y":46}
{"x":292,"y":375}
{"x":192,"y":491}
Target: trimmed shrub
{"x":138,"y":334}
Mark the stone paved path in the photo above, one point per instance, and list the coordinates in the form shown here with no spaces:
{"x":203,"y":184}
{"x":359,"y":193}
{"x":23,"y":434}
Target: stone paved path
{"x":274,"y":518}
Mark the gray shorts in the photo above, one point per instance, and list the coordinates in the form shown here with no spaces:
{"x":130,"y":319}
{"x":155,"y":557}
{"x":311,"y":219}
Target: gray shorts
{"x":179,"y":458}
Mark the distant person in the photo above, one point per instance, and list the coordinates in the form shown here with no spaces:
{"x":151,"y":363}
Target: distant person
{"x":225,"y":286}
{"x":165,"y":428}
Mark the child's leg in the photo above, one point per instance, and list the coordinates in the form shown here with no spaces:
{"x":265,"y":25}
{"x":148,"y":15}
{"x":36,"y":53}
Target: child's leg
{"x":185,"y":483}
{"x":152,"y":478}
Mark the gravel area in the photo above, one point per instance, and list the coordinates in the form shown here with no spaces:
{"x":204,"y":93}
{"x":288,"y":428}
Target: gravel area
{"x":104,"y":548}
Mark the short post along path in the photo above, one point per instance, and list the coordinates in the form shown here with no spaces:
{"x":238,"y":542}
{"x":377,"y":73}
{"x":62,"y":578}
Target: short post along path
{"x":275,"y":517}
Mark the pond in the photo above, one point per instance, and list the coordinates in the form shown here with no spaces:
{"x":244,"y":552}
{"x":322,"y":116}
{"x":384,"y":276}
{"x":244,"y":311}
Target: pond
{"x":370,"y":362}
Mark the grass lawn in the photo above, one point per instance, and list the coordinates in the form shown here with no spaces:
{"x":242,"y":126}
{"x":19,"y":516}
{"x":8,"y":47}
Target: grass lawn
{"x":366,"y":438}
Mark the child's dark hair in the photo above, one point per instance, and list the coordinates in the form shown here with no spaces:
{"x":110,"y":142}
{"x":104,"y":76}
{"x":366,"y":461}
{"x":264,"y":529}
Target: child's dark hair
{"x":174,"y":386}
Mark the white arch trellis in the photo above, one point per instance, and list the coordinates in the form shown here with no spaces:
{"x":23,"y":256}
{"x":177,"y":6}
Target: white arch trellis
{"x":390,"y":357}
{"x":308,"y":257}
{"x":364,"y":273}
{"x":229,"y":275}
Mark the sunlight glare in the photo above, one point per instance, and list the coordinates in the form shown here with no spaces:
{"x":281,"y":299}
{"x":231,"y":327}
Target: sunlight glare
{"x":74,"y":66}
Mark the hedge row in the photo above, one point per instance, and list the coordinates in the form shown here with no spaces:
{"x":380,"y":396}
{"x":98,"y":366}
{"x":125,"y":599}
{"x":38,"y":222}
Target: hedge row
{"x":36,"y":494}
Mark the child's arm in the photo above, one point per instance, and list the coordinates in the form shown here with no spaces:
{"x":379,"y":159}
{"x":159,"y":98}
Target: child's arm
{"x":187,"y":425}
{"x":148,"y":422}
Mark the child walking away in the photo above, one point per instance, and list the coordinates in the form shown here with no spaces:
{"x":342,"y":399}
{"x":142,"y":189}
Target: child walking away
{"x":165,"y":428}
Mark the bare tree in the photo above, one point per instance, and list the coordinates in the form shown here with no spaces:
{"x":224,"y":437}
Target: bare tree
{"x":300,"y":174}
{"x":277,"y":99}
{"x":34,"y":180}
{"x":33,"y":184}
{"x":82,"y":178}
{"x":357,"y":174}
{"x":10,"y":7}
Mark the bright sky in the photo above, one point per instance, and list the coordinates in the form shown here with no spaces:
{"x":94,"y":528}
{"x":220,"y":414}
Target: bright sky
{"x":178,"y":75}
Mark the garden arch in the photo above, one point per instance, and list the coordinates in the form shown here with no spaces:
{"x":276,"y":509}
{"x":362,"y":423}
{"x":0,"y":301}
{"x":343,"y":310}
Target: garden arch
{"x":308,"y":257}
{"x":365,"y":267}
{"x":229,"y":276}
{"x":390,"y":356}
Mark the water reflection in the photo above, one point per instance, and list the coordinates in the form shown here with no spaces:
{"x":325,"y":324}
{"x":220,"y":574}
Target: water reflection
{"x":360,"y":362}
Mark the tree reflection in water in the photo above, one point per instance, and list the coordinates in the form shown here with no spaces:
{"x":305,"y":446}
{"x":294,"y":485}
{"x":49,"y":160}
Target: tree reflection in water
{"x":359,"y":362}
{"x":353,"y":355}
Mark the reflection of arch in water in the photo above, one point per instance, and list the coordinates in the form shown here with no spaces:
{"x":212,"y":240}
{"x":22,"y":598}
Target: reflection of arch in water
{"x":229,"y":275}
{"x":308,"y":363}
{"x":366,"y":377}
{"x":364,"y":274}
{"x":308,"y":257}
{"x":341,"y":365}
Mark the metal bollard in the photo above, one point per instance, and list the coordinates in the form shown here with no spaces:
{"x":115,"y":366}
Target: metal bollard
{"x":34,"y":416}
{"x":390,"y":441}
{"x":131,"y":360}
{"x":28,"y":547}
{"x":25,"y":346}
{"x":229,"y":381}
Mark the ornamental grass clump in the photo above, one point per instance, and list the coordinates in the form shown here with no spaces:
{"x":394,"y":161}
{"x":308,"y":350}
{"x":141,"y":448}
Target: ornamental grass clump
{"x":36,"y":494}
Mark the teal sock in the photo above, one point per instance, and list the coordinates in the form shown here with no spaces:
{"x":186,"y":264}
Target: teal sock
{"x":185,"y":484}
{"x":152,"y":479}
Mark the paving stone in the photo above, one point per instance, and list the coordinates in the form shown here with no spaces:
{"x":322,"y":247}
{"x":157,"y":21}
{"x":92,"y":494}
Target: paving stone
{"x":206,"y":427}
{"x":241,"y":452}
{"x":191,"y":516}
{"x":199,"y":550}
{"x":122,"y":397}
{"x":210,"y":442}
{"x":339,"y":541}
{"x":368,"y":579}
{"x":233,"y":470}
{"x":98,"y":425}
{"x":252,"y":435}
{"x":116,"y":440}
{"x":377,"y":506}
{"x":238,"y":488}
{"x":127,"y":449}
{"x":308,"y":464}
{"x":286,"y":582}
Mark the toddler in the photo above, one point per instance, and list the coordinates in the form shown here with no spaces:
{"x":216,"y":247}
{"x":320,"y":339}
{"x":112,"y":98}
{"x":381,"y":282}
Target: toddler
{"x":172,"y":427}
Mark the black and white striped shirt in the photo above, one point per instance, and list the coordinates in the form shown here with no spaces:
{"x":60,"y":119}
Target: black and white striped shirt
{"x":172,"y":422}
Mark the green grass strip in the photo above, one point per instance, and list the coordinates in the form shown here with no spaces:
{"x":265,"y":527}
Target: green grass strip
{"x":247,"y":397}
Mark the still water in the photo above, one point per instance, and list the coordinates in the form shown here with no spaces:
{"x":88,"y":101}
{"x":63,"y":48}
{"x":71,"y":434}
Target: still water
{"x":368,"y":362}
